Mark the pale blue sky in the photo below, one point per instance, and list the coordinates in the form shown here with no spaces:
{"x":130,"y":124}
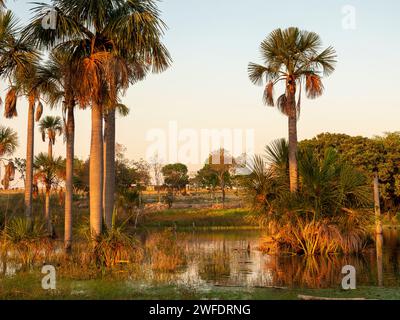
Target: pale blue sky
{"x":212,"y":42}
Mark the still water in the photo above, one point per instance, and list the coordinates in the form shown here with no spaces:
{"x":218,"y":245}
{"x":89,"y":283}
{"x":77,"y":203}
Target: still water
{"x":231,"y":258}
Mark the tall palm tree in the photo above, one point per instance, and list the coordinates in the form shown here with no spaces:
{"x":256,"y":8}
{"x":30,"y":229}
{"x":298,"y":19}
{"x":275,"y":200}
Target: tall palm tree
{"x":104,"y":38}
{"x":18,"y":60}
{"x":57,"y":72}
{"x":48,"y":171}
{"x":294,"y":57}
{"x":51,"y":127}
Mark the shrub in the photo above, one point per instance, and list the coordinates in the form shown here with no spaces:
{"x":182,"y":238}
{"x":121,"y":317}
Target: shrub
{"x":330,"y":213}
{"x":27,"y":240}
{"x":115,"y":247}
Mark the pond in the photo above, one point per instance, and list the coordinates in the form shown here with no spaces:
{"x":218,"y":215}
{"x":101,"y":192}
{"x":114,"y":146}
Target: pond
{"x":231,"y":259}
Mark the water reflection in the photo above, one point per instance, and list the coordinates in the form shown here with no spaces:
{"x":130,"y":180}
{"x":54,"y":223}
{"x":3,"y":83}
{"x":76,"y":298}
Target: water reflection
{"x":232,"y":259}
{"x":379,"y":258}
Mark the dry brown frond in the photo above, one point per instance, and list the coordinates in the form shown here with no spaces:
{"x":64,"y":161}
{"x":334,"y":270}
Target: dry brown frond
{"x":314,"y":86}
{"x":269,"y":94}
{"x":39,"y":111}
{"x":10,"y":108}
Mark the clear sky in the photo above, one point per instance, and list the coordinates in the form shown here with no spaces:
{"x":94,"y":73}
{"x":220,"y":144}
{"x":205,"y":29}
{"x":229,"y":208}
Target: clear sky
{"x":212,"y":42}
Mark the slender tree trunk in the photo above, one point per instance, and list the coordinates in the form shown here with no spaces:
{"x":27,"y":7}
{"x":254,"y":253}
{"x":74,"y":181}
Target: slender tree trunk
{"x":377,"y":204}
{"x":29,"y":158}
{"x":109,"y":168}
{"x":50,"y":150}
{"x":293,"y":167}
{"x":69,"y":178}
{"x":47,"y":213}
{"x":223,"y":192}
{"x":96,"y":172}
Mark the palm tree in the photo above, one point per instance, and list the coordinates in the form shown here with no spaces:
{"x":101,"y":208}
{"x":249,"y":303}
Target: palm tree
{"x":57,"y":72}
{"x":51,"y":127}
{"x":8,"y":145}
{"x":8,"y":141}
{"x":18,"y":60}
{"x":294,"y":57}
{"x":105,"y":39}
{"x":48,"y":171}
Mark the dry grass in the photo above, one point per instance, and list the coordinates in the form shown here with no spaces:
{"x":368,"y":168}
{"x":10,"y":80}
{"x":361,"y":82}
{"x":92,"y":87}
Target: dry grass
{"x":164,"y":252}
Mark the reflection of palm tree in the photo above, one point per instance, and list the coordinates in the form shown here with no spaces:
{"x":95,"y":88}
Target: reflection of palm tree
{"x":295,"y":57}
{"x":106,"y":42}
{"x":48,"y":171}
{"x":50,"y":127}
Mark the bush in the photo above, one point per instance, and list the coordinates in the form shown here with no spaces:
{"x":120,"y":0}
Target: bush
{"x":114,"y":247}
{"x":330,"y":213}
{"x":27,"y":240}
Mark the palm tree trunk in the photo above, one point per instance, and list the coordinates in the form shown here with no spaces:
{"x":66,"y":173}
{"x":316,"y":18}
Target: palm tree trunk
{"x":109,"y":168}
{"x":96,"y":172}
{"x":50,"y":150}
{"x":69,"y":178}
{"x":47,"y":213}
{"x":29,"y":158}
{"x":293,"y":167}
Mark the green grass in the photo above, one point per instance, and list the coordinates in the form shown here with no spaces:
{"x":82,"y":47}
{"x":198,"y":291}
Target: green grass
{"x":201,"y":218}
{"x":29,"y":287}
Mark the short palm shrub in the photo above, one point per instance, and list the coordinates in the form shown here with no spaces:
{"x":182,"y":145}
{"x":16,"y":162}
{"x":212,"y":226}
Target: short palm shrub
{"x":27,"y":241}
{"x":113,"y":247}
{"x":331,"y":212}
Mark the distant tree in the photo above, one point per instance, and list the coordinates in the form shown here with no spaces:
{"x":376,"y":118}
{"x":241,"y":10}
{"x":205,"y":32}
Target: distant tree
{"x":81,"y":176}
{"x":207,"y":178}
{"x":130,"y":174}
{"x":50,"y":127}
{"x":156,"y":166}
{"x":223,"y":164}
{"x":49,"y":172}
{"x":175,"y":176}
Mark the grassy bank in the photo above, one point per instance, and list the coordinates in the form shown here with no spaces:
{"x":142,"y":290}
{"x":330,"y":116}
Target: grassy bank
{"x":28,"y":287}
{"x":201,"y":219}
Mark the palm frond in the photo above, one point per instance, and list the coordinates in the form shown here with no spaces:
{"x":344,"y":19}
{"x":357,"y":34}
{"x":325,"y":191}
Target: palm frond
{"x":39,"y":111}
{"x":269,"y":94}
{"x":10,"y":107}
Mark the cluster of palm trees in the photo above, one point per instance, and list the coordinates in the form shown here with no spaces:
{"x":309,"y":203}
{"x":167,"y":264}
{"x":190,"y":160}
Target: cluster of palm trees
{"x":97,"y":50}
